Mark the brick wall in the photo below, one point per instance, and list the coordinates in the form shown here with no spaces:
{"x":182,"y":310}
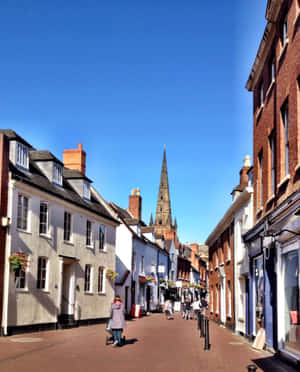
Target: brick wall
{"x":268,"y":118}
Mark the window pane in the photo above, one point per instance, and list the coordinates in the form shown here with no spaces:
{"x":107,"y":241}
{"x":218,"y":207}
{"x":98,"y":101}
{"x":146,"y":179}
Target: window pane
{"x":101,"y":237}
{"x":291,"y":302}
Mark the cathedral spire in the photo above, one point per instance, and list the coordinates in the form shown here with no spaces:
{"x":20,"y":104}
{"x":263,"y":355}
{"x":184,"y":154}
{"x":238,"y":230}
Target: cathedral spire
{"x":151,"y":220}
{"x":163,"y":216}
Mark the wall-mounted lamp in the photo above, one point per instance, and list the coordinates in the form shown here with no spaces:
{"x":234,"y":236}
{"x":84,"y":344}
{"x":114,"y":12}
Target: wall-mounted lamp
{"x":5,"y":221}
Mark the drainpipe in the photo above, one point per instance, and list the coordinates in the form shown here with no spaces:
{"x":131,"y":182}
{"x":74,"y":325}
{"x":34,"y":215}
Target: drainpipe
{"x":6,"y":265}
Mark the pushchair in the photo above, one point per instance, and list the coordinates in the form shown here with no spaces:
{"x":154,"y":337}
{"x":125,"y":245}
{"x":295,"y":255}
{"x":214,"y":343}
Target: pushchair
{"x":109,"y":339}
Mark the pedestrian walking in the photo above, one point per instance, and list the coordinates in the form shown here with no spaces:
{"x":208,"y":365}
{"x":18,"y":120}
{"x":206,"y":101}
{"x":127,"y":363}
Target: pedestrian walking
{"x":117,"y":320}
{"x":168,"y":309}
{"x":188,"y":309}
{"x":196,"y":308}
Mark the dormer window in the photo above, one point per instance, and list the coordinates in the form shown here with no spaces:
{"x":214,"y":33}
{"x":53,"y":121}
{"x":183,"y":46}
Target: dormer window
{"x":57,"y":174}
{"x":22,"y":156}
{"x":86,"y":190}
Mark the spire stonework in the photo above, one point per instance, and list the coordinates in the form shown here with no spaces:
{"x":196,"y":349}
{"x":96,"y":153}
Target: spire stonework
{"x":163,"y":217}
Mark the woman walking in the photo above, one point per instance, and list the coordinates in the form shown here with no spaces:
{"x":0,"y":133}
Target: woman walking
{"x":117,"y":320}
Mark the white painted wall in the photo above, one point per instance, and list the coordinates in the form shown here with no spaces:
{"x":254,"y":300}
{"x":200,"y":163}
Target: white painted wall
{"x":32,"y":305}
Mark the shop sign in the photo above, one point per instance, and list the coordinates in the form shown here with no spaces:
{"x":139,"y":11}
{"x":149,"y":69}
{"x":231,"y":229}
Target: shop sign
{"x":178,"y":284}
{"x":161,"y":269}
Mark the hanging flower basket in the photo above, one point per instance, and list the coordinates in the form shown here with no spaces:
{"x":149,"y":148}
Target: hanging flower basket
{"x":150,"y":279}
{"x":171,"y":284}
{"x":185,"y":285}
{"x":111,"y":275}
{"x":18,"y":261}
{"x":162,"y":281}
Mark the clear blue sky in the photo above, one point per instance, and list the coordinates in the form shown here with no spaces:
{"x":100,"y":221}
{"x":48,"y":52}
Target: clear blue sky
{"x":125,"y":78}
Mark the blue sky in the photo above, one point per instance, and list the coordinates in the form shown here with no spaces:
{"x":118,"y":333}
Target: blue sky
{"x":125,"y":78}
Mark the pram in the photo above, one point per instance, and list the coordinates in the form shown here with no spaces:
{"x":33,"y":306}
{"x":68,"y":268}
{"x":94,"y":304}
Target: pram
{"x":109,"y":339}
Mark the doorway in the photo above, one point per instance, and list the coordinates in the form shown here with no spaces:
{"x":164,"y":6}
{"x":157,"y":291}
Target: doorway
{"x":67,"y":292}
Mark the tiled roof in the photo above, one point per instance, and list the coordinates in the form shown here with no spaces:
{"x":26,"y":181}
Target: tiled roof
{"x":167,"y":245}
{"x":74,"y":174}
{"x":120,"y":211}
{"x":37,"y":179}
{"x":12,"y":135}
{"x":36,"y":155}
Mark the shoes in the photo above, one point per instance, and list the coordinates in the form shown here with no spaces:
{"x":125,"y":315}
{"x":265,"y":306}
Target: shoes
{"x":115,"y":343}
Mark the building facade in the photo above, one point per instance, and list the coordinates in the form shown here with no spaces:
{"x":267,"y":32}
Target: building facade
{"x":273,"y":243}
{"x":65,"y":236}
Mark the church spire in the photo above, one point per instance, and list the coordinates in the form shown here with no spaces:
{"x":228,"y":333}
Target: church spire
{"x":151,"y":220}
{"x":163,"y":216}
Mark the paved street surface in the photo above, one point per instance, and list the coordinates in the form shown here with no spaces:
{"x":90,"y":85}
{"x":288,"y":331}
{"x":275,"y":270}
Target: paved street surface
{"x":153,"y":344}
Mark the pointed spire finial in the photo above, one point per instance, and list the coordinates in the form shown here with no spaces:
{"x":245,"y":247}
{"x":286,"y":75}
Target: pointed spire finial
{"x":151,"y":220}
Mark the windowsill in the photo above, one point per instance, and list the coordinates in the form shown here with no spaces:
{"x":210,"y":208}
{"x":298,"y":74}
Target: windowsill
{"x":216,"y":313}
{"x":259,"y":210}
{"x":91,"y":247}
{"x":259,"y":111}
{"x":221,"y":264}
{"x":270,"y":87}
{"x":43,"y":290}
{"x":216,"y":267}
{"x":68,"y":242}
{"x":89,"y":293}
{"x":297,"y":16}
{"x":285,"y":180}
{"x":271,"y":198}
{"x":283,"y":49}
{"x":228,"y":260}
{"x":24,"y":231}
{"x":22,"y":290}
{"x":297,"y":167}
{"x":101,"y":294}
{"x":46,"y":236}
{"x":102,"y":251}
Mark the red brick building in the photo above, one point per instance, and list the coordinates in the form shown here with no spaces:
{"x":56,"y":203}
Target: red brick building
{"x":273,"y":242}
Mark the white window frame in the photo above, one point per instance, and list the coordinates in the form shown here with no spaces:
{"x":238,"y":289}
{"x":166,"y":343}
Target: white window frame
{"x":88,"y":289}
{"x":22,"y":156}
{"x":229,"y":297}
{"x":40,"y":270}
{"x":22,"y":213}
{"x":18,"y":288}
{"x":272,"y":142}
{"x":142,"y":264}
{"x":102,"y":230}
{"x":46,"y":233}
{"x":86,"y":190}
{"x":285,"y":121}
{"x":103,"y":271}
{"x":57,"y":174}
{"x":89,"y":234}
{"x":285,"y":31}
{"x":261,"y":94}
{"x":261,"y":172}
{"x":69,"y":225}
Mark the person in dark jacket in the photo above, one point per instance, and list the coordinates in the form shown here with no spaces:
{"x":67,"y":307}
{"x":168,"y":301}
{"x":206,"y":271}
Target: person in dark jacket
{"x":117,"y":320}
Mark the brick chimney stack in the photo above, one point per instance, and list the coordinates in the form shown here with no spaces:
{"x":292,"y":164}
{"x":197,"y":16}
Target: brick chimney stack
{"x":75,"y":159}
{"x":244,"y":172}
{"x":135,"y":204}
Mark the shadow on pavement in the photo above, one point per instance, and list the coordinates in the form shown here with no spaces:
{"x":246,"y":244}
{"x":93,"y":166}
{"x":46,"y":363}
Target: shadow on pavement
{"x":131,"y":341}
{"x":273,"y":364}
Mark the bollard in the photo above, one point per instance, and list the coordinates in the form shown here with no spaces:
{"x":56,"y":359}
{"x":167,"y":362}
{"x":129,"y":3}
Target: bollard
{"x":198,"y":319}
{"x":207,"y":344}
{"x":202,"y":325}
{"x":251,"y":368}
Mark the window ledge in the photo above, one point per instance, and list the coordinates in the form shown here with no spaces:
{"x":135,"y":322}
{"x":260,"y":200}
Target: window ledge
{"x":89,"y":293}
{"x":271,"y":198}
{"x":270,"y":87}
{"x":101,"y":294}
{"x":259,"y":111}
{"x":283,"y":49}
{"x":228,"y":260}
{"x":297,"y":167}
{"x":40,"y":290}
{"x":91,"y":247}
{"x":46,"y":236}
{"x":68,"y":242}
{"x":259,"y":210}
{"x":297,"y":16}
{"x":22,"y":290}
{"x":102,"y":251}
{"x":24,"y":231}
{"x":285,"y":180}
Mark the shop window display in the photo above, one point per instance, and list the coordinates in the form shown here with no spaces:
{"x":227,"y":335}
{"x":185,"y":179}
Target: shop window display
{"x":292,"y":302}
